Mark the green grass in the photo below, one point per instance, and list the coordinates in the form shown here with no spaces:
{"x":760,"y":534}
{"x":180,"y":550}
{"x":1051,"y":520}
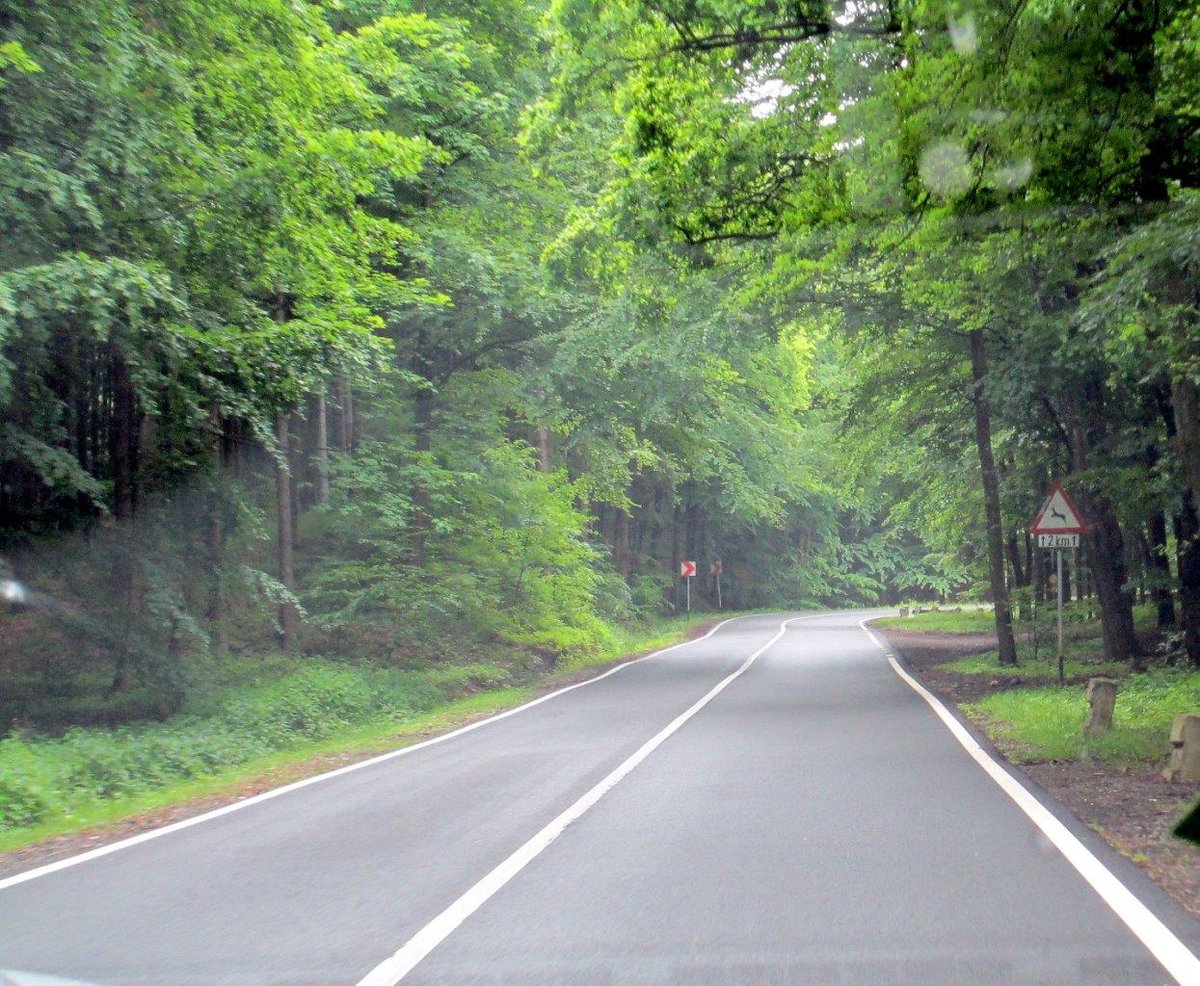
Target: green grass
{"x":1038,"y":724}
{"x":248,"y":727}
{"x":1042,"y":669}
{"x":1040,"y":720}
{"x":364,"y":739}
{"x":942,"y":621}
{"x":1081,"y":621}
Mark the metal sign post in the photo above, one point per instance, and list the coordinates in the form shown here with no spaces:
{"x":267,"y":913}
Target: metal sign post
{"x":715,"y":570}
{"x":1058,"y":552}
{"x":1058,"y":525}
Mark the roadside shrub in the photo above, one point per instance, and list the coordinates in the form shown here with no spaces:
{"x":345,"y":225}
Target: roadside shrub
{"x":23,"y":799}
{"x":649,"y":593}
{"x":312,"y":703}
{"x":507,"y":561}
{"x":45,"y":777}
{"x":20,"y":806}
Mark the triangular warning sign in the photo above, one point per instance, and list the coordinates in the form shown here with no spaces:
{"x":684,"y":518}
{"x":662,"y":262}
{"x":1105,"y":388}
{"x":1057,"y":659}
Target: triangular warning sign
{"x":1058,"y":515}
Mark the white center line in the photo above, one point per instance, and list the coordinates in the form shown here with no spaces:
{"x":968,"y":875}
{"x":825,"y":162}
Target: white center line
{"x":208,"y":816}
{"x":393,"y":969}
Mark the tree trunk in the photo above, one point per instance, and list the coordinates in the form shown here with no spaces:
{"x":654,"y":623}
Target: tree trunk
{"x":676,"y":552}
{"x":123,"y":440}
{"x":692,"y":537}
{"x":322,"y":450}
{"x":295,"y":460}
{"x":422,"y":444}
{"x":123,"y":459}
{"x":1105,"y":543}
{"x":343,"y":394}
{"x":621,"y":543}
{"x":1187,"y":548}
{"x":1029,"y":553}
{"x":214,"y":540}
{"x":544,"y":447}
{"x":1019,"y":580}
{"x":1160,"y":569}
{"x":283,"y":497}
{"x":1014,"y":560}
{"x":95,"y":397}
{"x":1082,"y":567}
{"x":340,"y":421}
{"x":991,"y":501}
{"x":1037,"y":570}
{"x":1106,"y":554}
{"x":215,"y":549}
{"x":1186,"y":404}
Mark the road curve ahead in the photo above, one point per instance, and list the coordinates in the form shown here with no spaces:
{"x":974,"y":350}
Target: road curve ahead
{"x":770,"y":804}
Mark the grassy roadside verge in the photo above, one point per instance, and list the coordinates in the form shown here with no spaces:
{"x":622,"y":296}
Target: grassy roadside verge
{"x":1114,"y":785}
{"x":972,"y":620}
{"x":1033,"y":719}
{"x":314,"y":720}
{"x":1039,"y":724}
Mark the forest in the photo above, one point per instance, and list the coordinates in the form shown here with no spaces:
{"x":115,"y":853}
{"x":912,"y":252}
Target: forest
{"x":429,"y":337}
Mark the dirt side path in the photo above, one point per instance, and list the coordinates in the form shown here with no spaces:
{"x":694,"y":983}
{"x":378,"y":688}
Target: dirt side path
{"x":1134,"y":810}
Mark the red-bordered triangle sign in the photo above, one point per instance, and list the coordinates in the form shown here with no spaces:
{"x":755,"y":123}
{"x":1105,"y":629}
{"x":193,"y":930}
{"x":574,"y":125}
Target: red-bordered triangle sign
{"x":1058,"y":515}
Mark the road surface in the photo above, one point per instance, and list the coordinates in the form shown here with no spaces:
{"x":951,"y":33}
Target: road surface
{"x":770,"y":804}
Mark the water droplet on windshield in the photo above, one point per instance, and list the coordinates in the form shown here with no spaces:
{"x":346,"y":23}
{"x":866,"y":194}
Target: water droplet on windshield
{"x":944,"y":168}
{"x":962,"y":34}
{"x":1014,"y":175}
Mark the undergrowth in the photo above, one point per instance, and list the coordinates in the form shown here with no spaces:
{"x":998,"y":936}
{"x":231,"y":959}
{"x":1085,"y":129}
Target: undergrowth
{"x":41,"y":777}
{"x":1040,"y":724}
{"x":251,"y":710}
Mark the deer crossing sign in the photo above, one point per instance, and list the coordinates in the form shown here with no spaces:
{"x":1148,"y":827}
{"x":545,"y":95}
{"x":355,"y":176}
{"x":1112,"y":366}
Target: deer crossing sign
{"x":1059,"y":523}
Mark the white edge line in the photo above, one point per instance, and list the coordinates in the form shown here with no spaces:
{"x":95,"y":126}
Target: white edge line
{"x":113,"y":847}
{"x":394,"y":968}
{"x":1162,"y":943}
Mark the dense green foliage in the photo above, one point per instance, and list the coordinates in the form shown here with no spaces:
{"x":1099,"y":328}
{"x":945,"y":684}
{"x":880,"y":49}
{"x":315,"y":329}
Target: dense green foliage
{"x":307,"y":337}
{"x":993,"y":205}
{"x":355,"y":327}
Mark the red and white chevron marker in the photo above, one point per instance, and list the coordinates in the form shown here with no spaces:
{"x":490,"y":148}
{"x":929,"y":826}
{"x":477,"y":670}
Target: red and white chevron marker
{"x":687,"y":569}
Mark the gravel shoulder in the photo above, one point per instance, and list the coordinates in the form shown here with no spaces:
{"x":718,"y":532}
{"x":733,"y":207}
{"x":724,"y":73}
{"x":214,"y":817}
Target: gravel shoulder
{"x":1133,"y":809}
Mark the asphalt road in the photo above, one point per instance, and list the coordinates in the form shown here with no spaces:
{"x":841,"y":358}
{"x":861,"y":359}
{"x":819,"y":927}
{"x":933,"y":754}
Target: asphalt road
{"x":813,"y":821}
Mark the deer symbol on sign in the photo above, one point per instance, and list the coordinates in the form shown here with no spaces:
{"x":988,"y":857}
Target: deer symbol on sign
{"x":1057,"y":516}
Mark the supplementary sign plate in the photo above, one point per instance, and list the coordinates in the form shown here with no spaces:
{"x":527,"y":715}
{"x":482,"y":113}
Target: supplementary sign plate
{"x":1058,"y":540}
